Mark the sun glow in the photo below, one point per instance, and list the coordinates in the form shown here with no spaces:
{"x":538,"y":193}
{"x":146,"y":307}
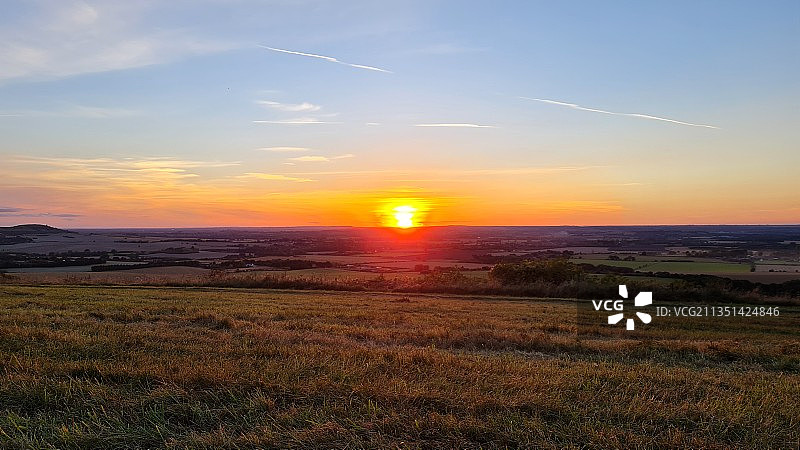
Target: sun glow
{"x":403,"y":213}
{"x":404,"y":216}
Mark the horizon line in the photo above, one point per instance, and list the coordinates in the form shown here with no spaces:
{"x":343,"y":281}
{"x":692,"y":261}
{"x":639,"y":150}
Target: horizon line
{"x":419,"y":227}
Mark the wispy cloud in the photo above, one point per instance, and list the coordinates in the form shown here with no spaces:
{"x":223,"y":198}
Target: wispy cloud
{"x":780,"y":210}
{"x":524,"y":170}
{"x":108,"y":177}
{"x":326,"y":58}
{"x":285,"y":149}
{"x":319,"y":158}
{"x":274,"y":177}
{"x":133,"y":188}
{"x":543,"y":170}
{"x":572,"y":206}
{"x":130,"y":164}
{"x":71,"y":38}
{"x":454,"y":125}
{"x":601,"y":111}
{"x":44,"y":214}
{"x":316,"y":158}
{"x":290,"y":107}
{"x":299,"y":121}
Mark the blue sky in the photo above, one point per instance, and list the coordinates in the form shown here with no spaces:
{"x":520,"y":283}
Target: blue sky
{"x":184,"y":96}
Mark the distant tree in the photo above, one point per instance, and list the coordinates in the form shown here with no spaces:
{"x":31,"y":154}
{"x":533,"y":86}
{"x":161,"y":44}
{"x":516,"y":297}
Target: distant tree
{"x":549,"y":270}
{"x":612,"y":280}
{"x":445,"y":276}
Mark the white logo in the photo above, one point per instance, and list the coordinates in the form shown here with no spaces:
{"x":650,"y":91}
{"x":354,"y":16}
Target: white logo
{"x":641,"y":299}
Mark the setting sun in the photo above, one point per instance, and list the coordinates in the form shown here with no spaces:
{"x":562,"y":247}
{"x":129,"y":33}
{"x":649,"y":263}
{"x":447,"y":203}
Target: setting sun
{"x":403,"y":213}
{"x":404,"y":216}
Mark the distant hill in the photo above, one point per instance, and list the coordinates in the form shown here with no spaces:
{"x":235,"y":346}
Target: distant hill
{"x":32,"y":228}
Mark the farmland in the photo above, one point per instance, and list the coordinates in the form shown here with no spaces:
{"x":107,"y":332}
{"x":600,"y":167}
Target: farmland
{"x":697,"y":266}
{"x":764,"y":254}
{"x":100,"y":367}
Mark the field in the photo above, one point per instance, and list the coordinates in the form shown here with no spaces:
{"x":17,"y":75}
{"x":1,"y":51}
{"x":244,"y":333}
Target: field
{"x":665,"y":265}
{"x":104,"y":367}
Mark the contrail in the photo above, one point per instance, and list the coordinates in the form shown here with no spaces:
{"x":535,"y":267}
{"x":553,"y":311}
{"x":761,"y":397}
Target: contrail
{"x":326,"y":58}
{"x":641,"y":116}
{"x":454,"y":125}
{"x":300,"y":121}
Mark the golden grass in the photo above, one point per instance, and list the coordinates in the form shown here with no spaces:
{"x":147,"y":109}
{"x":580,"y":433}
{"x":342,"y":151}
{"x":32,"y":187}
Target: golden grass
{"x":104,"y":367}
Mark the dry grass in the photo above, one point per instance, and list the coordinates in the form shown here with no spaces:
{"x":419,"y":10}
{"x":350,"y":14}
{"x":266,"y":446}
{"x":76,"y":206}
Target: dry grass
{"x":102,"y":367}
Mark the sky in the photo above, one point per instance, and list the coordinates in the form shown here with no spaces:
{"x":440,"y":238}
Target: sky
{"x":284,"y":113}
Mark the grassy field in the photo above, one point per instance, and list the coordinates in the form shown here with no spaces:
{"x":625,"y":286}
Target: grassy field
{"x":697,"y":267}
{"x":102,"y":367}
{"x":195,"y":275}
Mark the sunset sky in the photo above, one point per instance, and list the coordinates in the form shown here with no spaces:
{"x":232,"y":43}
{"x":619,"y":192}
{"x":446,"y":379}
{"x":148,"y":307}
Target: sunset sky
{"x":277,"y":113}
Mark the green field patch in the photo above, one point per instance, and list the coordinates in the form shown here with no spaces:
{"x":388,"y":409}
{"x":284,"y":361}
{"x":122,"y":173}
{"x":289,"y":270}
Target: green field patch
{"x":687,"y":267}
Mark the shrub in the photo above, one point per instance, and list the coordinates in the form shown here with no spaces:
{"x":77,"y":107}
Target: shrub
{"x":548,"y":270}
{"x":444,"y":277}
